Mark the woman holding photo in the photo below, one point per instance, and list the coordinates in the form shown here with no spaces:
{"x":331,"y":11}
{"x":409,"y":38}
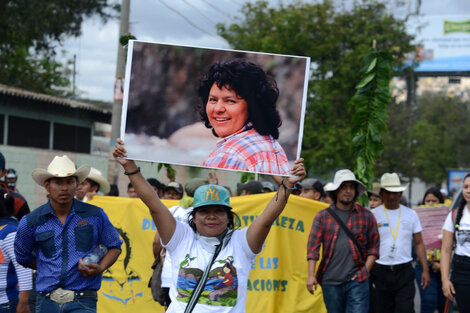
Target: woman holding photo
{"x":193,"y":246}
{"x":239,"y":104}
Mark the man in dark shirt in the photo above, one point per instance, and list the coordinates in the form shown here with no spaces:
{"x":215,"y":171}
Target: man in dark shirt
{"x":344,"y":269}
{"x":21,"y":206}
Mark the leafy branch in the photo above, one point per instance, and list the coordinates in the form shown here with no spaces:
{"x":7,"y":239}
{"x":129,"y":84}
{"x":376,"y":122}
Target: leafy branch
{"x":171,"y":172}
{"x":369,"y":120}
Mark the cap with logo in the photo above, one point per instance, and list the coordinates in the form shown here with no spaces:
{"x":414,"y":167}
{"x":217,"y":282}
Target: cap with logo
{"x":211,"y":195}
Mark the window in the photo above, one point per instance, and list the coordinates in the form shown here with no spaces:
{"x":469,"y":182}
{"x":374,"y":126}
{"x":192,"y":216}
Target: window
{"x":27,"y":132}
{"x":72,"y":138}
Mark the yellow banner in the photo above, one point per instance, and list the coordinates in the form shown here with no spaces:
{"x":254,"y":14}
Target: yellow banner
{"x":277,"y":281}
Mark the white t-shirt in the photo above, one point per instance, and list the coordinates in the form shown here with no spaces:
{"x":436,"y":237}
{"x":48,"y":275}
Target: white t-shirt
{"x":409,"y":225}
{"x":463,"y":235}
{"x":226,"y":285}
{"x":180,"y":214}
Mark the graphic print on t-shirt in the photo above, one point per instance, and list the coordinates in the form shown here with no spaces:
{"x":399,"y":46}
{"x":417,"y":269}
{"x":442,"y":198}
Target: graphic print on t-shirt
{"x":463,"y":237}
{"x":220,"y":288}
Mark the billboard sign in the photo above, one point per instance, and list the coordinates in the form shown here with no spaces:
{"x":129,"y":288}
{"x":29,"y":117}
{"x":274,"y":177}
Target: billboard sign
{"x":442,"y":43}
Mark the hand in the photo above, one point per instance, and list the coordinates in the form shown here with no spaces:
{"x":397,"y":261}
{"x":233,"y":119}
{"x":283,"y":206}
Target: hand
{"x":212,"y":178}
{"x":297,"y":170}
{"x":89,"y":269}
{"x":425,"y":280}
{"x":436,"y":266}
{"x":23,"y":306}
{"x":89,"y":195}
{"x":119,"y":153}
{"x":448,"y":289}
{"x":312,"y":284}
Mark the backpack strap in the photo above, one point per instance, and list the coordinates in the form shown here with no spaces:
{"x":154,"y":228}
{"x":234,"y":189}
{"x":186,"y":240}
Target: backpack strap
{"x":346,"y":231}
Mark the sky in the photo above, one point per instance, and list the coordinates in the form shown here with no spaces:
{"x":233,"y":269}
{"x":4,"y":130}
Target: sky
{"x":186,"y":22}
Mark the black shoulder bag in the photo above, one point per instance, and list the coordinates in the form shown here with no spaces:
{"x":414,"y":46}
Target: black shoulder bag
{"x":202,"y":281}
{"x":346,"y":231}
{"x":159,"y":294}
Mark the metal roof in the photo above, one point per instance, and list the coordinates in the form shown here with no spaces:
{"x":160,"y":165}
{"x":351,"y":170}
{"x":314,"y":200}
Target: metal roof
{"x":17,"y":92}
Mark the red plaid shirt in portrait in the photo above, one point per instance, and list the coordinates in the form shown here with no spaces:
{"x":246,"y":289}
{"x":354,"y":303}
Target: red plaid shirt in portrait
{"x":247,"y":150}
{"x":325,"y":229}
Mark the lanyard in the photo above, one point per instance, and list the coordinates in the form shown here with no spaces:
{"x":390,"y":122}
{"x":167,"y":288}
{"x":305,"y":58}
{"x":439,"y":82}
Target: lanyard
{"x":394,"y":234}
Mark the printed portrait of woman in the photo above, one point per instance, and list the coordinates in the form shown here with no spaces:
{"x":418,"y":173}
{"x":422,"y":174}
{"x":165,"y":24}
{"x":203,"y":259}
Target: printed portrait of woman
{"x":239,"y":105}
{"x":214,"y":108}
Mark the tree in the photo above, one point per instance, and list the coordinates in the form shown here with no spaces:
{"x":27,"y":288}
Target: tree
{"x":336,"y":40}
{"x":427,"y":141}
{"x":31,"y":30}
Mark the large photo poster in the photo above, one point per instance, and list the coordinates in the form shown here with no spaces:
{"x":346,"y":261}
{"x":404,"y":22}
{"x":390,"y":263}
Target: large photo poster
{"x":214,"y":108}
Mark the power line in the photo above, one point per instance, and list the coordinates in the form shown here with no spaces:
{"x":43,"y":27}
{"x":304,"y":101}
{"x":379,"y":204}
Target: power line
{"x":197,"y":9}
{"x":186,"y":19}
{"x":216,"y":8}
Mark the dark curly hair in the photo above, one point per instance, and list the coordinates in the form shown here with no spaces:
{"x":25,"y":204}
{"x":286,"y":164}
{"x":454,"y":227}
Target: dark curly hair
{"x":250,"y":82}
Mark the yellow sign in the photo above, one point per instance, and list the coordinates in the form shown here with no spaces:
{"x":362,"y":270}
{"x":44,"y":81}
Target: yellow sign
{"x":277,"y":281}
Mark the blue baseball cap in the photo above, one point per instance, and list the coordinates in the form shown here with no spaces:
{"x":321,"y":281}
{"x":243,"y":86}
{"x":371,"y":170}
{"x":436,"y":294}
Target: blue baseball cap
{"x":211,"y":195}
{"x":2,"y":161}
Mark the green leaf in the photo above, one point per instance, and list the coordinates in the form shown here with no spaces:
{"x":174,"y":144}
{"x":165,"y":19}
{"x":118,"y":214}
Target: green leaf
{"x":365,"y":80}
{"x":371,"y":65}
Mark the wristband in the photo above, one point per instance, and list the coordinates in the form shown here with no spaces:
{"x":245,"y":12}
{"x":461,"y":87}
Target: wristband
{"x":285,"y":187}
{"x":132,"y":173}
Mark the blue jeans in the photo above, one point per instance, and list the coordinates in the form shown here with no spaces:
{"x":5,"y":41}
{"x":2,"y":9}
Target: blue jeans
{"x":349,"y":297}
{"x":432,"y":297}
{"x":9,"y":307}
{"x":82,"y":305}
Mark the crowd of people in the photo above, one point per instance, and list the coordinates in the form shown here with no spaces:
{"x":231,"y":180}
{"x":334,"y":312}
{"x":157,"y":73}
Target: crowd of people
{"x":365,"y":255}
{"x":369,"y":258}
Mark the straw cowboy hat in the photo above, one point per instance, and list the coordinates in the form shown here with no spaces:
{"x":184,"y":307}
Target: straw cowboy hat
{"x":342,"y":176}
{"x":391,"y":182}
{"x":375,"y":190}
{"x":96,"y":176}
{"x":60,"y":167}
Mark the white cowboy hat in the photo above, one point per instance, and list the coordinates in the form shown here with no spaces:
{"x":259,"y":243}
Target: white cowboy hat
{"x":96,"y":176}
{"x":60,"y":167}
{"x":375,"y":190}
{"x":345,"y":175}
{"x":391,"y":182}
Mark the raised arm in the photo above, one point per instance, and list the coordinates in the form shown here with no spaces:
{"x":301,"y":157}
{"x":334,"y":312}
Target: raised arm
{"x":162,"y":218}
{"x":259,"y":229}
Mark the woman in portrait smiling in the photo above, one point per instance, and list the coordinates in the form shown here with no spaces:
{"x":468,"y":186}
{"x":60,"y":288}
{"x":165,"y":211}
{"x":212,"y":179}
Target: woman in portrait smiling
{"x":239,"y":104}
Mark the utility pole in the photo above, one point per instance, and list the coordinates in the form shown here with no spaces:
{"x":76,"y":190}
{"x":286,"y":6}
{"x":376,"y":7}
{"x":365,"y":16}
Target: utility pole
{"x":74,"y":75}
{"x":113,"y":170}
